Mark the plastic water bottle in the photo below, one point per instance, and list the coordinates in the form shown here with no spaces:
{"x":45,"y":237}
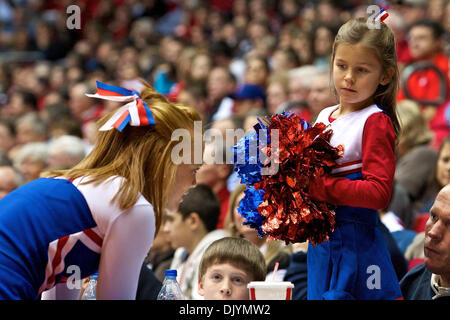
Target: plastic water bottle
{"x":170,"y":288}
{"x":90,"y":293}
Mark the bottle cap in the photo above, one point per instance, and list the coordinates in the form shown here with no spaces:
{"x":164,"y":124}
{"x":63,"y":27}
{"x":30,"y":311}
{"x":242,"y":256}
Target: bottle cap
{"x":94,"y":276}
{"x":171,"y":273}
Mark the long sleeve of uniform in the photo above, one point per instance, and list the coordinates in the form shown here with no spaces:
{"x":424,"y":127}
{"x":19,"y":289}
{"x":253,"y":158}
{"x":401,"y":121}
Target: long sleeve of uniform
{"x":123,"y":253}
{"x":127,"y":238}
{"x":378,"y":168}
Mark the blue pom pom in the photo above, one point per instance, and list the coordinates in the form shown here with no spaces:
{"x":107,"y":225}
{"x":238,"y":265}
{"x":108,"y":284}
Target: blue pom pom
{"x":248,"y":167}
{"x":248,"y":208}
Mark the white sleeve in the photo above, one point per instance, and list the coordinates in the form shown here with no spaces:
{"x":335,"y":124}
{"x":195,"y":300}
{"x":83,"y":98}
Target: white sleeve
{"x":125,"y":246}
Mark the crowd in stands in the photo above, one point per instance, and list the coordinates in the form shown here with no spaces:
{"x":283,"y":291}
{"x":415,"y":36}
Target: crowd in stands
{"x":233,"y":61}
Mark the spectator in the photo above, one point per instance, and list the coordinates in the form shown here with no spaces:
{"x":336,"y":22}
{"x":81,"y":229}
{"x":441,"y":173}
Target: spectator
{"x":431,"y":280}
{"x":425,"y":44}
{"x":201,"y":67}
{"x":214,"y":173}
{"x":414,"y":252}
{"x":299,"y":107}
{"x":29,"y":128}
{"x":10,"y":179}
{"x":221,"y":82}
{"x":301,"y":43}
{"x":21,"y":103}
{"x":232,"y":123}
{"x":227,"y":266}
{"x":7,"y":135}
{"x":416,"y":160}
{"x":323,"y":44}
{"x":191,"y":230}
{"x":32,"y":159}
{"x":248,"y":97}
{"x":61,"y":121}
{"x":413,"y":10}
{"x":277,"y":91}
{"x":257,"y":71}
{"x":439,"y":178}
{"x":83,"y":108}
{"x":300,"y":82}
{"x":284,"y":60}
{"x":328,"y":12}
{"x":195,"y":96}
{"x":252,"y":118}
{"x":399,"y":27}
{"x":65,"y":152}
{"x":321,"y":94}
{"x":297,"y":271}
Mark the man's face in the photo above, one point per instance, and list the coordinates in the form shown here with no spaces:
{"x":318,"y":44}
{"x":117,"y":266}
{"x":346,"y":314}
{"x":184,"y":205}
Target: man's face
{"x":219,"y":84}
{"x":320,"y":95}
{"x":244,"y":106}
{"x":31,"y":168}
{"x":422,"y":43}
{"x":437,"y":235}
{"x":78,"y":102}
{"x":297,"y":91}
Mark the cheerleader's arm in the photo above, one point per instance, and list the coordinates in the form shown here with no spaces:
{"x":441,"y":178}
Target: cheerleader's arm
{"x":378,"y":160}
{"x":125,"y":246}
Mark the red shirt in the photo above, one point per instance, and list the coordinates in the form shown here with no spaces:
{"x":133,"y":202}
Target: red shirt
{"x":424,"y":84}
{"x":223,"y":196}
{"x":378,"y":168}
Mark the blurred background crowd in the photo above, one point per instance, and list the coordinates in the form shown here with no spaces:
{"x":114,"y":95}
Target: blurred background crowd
{"x":233,"y":61}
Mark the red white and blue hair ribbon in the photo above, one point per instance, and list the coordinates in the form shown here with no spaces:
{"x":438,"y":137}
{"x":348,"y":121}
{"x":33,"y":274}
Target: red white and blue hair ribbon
{"x":136,"y":112}
{"x":381,"y":16}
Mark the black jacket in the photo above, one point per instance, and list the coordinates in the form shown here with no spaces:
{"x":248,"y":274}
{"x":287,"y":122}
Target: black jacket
{"x":148,"y":285}
{"x":298,"y":275}
{"x":416,"y":284}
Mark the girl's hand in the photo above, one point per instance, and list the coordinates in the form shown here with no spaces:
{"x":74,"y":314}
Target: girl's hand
{"x":301,"y":246}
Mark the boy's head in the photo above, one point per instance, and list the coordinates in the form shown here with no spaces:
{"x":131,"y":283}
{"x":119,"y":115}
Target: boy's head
{"x":197,"y":215}
{"x":227,"y":266}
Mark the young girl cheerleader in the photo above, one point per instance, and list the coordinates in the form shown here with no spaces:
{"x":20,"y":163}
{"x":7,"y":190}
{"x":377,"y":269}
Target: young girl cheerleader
{"x":355,"y":262}
{"x":101,"y":215}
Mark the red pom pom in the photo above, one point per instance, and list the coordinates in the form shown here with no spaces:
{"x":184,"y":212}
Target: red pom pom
{"x":304,"y":154}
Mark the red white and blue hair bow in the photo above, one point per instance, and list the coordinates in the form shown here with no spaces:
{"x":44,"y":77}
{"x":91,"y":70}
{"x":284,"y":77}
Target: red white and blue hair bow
{"x":381,"y":16}
{"x":136,"y":112}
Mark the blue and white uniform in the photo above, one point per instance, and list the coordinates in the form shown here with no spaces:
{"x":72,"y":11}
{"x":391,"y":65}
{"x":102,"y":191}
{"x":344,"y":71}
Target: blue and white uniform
{"x":51,"y":224}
